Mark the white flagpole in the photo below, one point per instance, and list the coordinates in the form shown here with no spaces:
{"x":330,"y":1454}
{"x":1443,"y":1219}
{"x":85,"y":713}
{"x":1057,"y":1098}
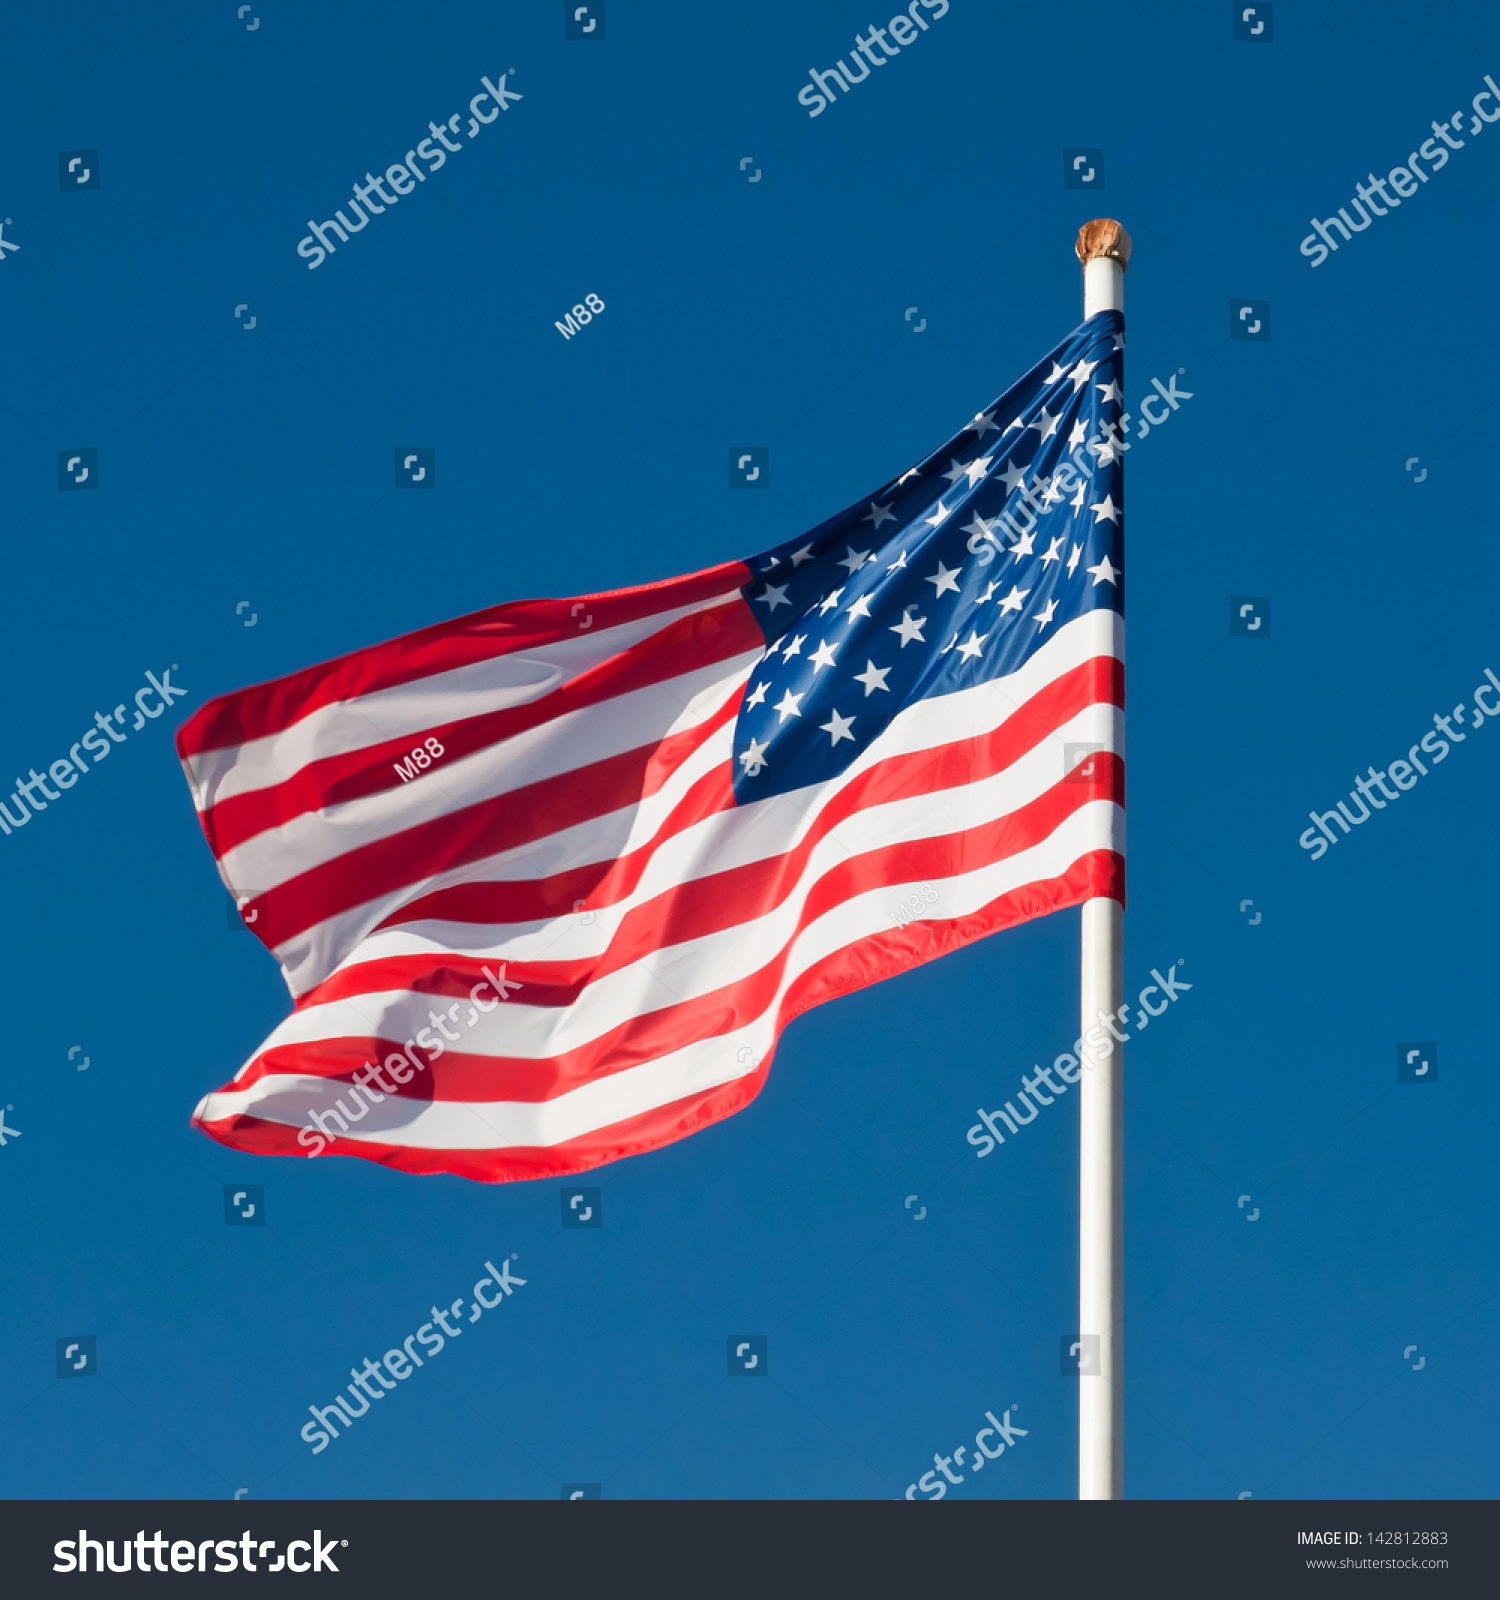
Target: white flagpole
{"x":1104,"y":249}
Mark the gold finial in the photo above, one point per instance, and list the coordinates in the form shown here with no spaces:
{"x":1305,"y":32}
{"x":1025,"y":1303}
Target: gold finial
{"x":1103,"y":237}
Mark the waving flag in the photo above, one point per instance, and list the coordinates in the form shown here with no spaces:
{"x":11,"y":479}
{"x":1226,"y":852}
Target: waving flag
{"x":547,"y":882}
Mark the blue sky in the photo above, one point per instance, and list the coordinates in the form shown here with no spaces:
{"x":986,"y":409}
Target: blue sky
{"x":255,"y":464}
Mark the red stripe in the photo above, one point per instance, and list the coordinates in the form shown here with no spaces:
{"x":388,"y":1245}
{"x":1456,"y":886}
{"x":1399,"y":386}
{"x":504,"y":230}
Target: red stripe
{"x":649,"y":1131}
{"x":504,"y":822}
{"x":698,"y":906}
{"x":467,"y":1076}
{"x":268,"y":708}
{"x":579,"y":888}
{"x":717,"y":901}
{"x":723,"y":900}
{"x":684,"y":646}
{"x":868,"y":960}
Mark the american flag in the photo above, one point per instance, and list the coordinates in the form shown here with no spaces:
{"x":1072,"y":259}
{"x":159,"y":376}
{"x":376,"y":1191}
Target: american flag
{"x":548,"y":881}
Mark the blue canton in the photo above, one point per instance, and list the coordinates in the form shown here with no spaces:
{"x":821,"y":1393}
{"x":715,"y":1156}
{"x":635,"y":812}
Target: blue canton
{"x":952,"y":575}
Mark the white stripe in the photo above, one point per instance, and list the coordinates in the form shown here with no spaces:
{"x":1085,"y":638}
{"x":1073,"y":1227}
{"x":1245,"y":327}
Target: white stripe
{"x":652,"y":714}
{"x":593,"y":733}
{"x":706,"y":1064}
{"x":311,"y":955}
{"x":408,"y":709}
{"x":762,"y":829}
{"x":601,"y":841}
{"x":689,"y":969}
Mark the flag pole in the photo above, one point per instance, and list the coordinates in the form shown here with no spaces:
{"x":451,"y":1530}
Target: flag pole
{"x":1104,"y":249}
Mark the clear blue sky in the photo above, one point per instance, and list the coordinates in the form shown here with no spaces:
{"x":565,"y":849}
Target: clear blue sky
{"x":240,"y":464}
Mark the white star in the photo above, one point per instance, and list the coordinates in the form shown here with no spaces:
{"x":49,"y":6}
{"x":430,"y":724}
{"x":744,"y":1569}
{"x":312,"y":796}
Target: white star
{"x":1044,"y":616}
{"x":794,"y":647}
{"x":1080,"y":374}
{"x":1073,"y":559}
{"x":878,"y":514}
{"x":839,"y":727}
{"x":1105,"y":448}
{"x":1012,"y":601}
{"x":1079,"y":433}
{"x":988,"y":595}
{"x":970,"y":646}
{"x":1015,"y":422}
{"x":758,"y":694}
{"x":821,"y":657}
{"x":774,"y":597}
{"x":804,"y":554}
{"x":1109,"y":391}
{"x":944,"y":579}
{"x":984,"y":422}
{"x":910,"y":628}
{"x":977,"y":468}
{"x":1105,"y":508}
{"x":940,"y":514}
{"x":854,"y":559}
{"x":1013,"y":475}
{"x":786,"y":707}
{"x":1046,"y":424}
{"x":830,"y":601}
{"x":956,"y":470}
{"x":873,"y":678}
{"x":1058,"y":371}
{"x":860,"y":608}
{"x":1051,"y":494}
{"x":1119,"y":341}
{"x":1077,"y":501}
{"x":896,"y":566}
{"x":754,"y":758}
{"x":911,"y":472}
{"x":1023,"y":545}
{"x":1103,"y":573}
{"x":1051,"y":552}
